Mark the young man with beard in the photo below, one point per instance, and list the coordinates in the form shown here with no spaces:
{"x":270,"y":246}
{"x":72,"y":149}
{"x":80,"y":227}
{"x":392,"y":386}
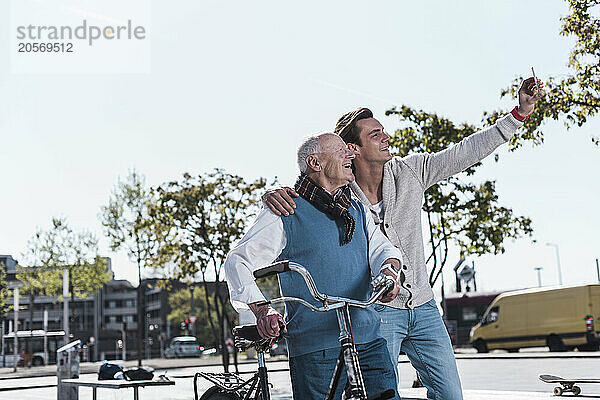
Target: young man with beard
{"x":392,"y":188}
{"x":336,"y":240}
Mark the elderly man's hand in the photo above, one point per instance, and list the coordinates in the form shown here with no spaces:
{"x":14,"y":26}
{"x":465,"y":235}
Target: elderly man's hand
{"x":391,"y":295}
{"x":529,"y":95}
{"x":279,"y":200}
{"x":269,"y":322}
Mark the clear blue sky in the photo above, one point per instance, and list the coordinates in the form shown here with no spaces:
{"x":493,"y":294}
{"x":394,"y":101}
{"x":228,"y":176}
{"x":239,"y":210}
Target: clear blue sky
{"x":237,"y":85}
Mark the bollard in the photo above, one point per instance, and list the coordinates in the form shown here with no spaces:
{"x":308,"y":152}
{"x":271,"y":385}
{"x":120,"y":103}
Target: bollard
{"x":67,"y":367}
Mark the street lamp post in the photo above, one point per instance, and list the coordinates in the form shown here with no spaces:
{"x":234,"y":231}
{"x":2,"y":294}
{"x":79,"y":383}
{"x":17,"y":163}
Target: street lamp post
{"x":66,"y":305}
{"x":539,"y":274}
{"x":147,"y":336}
{"x":45,"y":337}
{"x":15,"y":285}
{"x":557,"y":261}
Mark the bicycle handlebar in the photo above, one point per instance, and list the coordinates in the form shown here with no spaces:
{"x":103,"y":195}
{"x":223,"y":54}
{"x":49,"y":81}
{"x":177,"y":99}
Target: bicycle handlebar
{"x":381,"y":285}
{"x":273,"y":269}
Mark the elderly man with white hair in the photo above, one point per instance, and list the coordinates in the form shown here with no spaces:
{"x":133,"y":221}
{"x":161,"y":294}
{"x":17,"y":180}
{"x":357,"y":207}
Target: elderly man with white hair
{"x":336,"y":240}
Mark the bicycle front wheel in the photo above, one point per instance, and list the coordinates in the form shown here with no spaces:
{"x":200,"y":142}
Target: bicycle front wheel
{"x":216,"y":393}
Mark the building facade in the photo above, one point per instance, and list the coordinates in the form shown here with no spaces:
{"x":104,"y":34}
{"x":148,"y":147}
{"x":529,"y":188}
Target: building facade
{"x":107,"y":321}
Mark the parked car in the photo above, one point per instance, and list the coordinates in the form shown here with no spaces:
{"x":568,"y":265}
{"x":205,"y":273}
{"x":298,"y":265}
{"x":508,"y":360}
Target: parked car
{"x":8,"y":360}
{"x":561,"y":318}
{"x":183,"y":346}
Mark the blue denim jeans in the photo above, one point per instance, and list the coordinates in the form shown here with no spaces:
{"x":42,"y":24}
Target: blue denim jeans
{"x":422,"y":335}
{"x":311,"y":373}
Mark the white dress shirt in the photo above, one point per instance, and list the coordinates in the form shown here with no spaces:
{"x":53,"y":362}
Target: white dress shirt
{"x":264,"y":242}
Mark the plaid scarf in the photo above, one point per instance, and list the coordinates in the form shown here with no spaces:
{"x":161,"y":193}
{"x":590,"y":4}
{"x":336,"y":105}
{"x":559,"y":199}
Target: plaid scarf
{"x":334,"y":206}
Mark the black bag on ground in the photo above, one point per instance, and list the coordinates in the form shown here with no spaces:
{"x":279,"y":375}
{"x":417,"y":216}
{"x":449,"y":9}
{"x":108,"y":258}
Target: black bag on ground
{"x":139,"y":374}
{"x":108,"y":371}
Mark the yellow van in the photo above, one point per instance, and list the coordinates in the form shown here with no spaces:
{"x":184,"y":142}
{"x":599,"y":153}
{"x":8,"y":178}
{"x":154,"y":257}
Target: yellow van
{"x":561,"y":318}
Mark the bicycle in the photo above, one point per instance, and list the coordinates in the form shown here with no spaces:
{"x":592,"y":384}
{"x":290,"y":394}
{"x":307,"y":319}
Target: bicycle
{"x":230,"y":386}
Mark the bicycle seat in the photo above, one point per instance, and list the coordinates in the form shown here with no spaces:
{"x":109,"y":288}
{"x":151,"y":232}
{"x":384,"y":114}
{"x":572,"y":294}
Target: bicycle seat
{"x":247,"y":332}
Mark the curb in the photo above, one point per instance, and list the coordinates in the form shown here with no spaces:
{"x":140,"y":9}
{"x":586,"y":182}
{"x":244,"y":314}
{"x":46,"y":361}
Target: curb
{"x":516,"y":356}
{"x":43,"y":375}
{"x":92,"y":369}
{"x":7,"y":389}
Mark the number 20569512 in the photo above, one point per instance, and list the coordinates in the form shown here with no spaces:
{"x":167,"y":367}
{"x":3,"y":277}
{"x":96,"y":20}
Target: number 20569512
{"x":45,"y":47}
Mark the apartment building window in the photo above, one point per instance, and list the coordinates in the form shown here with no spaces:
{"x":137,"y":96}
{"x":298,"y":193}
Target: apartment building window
{"x":113,"y":319}
{"x":113,"y":304}
{"x":153,"y":297}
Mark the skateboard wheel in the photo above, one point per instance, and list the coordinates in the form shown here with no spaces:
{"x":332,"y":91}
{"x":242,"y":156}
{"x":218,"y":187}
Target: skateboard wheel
{"x":558,"y":391}
{"x":576,"y":390}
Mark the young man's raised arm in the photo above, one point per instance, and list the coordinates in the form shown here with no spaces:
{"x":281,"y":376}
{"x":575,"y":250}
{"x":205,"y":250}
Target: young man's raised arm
{"x":432,"y":168}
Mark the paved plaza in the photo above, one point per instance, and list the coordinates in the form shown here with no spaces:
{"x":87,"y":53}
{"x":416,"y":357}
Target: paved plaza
{"x":483,"y":378}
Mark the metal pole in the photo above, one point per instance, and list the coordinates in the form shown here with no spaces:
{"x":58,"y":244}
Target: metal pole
{"x":45,"y":337}
{"x":444,"y":300}
{"x":140,"y":313}
{"x":162,"y":343}
{"x":557,"y":261}
{"x":2,"y":335}
{"x":539,"y":274}
{"x":147,"y":335}
{"x":474,"y":280}
{"x":96,"y":323}
{"x":560,"y":281}
{"x":598,"y":270}
{"x":66,"y":304}
{"x":193,"y":330}
{"x":124,"y":340}
{"x":16,"y":328}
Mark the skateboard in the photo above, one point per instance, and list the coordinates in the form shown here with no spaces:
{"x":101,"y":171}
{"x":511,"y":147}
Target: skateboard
{"x":568,"y":385}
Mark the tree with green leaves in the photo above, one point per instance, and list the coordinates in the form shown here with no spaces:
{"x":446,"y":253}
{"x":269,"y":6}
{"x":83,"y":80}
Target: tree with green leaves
{"x":4,"y":291}
{"x":43,"y":254}
{"x":49,"y":252}
{"x":183,"y":305}
{"x":574,"y":98}
{"x":127,"y":226}
{"x":88,"y":272}
{"x":206,"y":215}
{"x":458,"y":211}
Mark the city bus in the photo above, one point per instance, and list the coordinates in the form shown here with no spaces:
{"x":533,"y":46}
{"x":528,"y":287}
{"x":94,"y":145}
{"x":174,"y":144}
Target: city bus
{"x":38,"y":356}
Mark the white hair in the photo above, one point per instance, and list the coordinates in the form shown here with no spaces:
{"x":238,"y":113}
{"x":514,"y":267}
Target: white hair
{"x":310,"y":145}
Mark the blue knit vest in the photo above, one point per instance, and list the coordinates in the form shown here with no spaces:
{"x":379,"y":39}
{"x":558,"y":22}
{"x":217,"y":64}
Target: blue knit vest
{"x":313,"y":240}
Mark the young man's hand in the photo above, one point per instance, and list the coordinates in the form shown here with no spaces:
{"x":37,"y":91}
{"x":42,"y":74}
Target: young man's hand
{"x":391,"y":295}
{"x":279,"y":200}
{"x":529,"y":95}
{"x":269,"y":322}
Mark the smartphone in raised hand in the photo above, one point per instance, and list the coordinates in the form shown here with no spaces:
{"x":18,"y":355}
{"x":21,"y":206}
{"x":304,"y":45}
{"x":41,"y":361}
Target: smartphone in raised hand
{"x":537,"y":89}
